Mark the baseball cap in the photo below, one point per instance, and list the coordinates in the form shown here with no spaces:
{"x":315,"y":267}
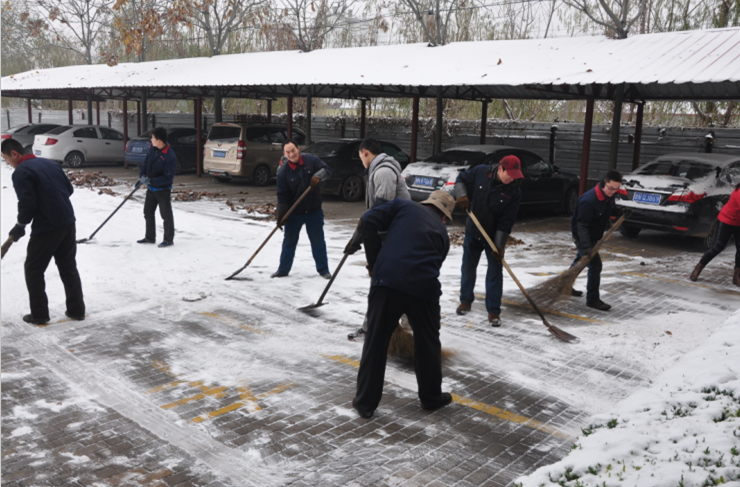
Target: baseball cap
{"x":443,"y":201}
{"x":513,"y":166}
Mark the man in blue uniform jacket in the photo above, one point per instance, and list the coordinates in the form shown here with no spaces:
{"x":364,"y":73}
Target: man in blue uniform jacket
{"x":157,"y":174}
{"x":43,"y":192}
{"x":299,"y":173}
{"x":404,"y":268}
{"x":492,"y":193}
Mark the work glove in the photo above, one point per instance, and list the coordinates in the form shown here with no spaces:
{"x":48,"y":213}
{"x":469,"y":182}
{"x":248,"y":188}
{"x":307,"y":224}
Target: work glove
{"x":463,"y":203}
{"x":354,"y":244}
{"x":369,"y":270}
{"x":315,"y":181}
{"x":282,"y":209}
{"x":499,"y":256}
{"x":17,"y":232}
{"x":143,"y":180}
{"x":499,"y":240}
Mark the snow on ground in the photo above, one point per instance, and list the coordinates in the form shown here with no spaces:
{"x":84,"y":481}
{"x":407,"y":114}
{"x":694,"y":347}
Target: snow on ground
{"x":684,"y":430}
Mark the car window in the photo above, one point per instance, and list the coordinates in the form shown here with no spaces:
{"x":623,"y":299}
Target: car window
{"x":277,"y":136}
{"x":258,"y":135}
{"x":225,"y":134}
{"x":186,"y":138}
{"x":299,"y":137}
{"x":86,"y":133}
{"x":533,"y":165}
{"x":59,"y":130}
{"x":458,"y":158}
{"x":19,"y":129}
{"x":110,"y":134}
{"x":395,"y":153}
{"x":324,"y":149}
{"x":41,"y":129}
{"x":692,"y":170}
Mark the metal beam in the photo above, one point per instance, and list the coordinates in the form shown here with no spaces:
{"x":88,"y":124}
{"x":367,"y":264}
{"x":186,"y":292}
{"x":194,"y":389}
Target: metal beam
{"x":587,"y":124}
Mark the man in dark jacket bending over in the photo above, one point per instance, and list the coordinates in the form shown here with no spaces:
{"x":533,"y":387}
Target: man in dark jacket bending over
{"x":593,"y":211}
{"x":43,"y":192}
{"x":404,"y":268}
{"x":297,"y":175}
{"x":492,"y":193}
{"x":157,"y":174}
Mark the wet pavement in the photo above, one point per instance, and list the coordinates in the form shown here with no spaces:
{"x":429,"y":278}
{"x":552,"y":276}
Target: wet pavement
{"x":97,"y":402}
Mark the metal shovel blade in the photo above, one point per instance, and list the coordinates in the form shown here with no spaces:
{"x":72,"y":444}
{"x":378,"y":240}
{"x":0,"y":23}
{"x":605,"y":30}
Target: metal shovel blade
{"x":562,"y":334}
{"x":83,"y":240}
{"x":311,"y":307}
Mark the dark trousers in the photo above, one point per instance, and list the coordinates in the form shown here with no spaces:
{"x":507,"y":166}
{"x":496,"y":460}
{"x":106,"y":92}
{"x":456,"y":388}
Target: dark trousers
{"x":724,"y":232}
{"x":472,"y":250}
{"x":162,"y":199}
{"x":594,"y":276}
{"x":315,"y":229}
{"x":60,"y":244}
{"x":385,"y":307}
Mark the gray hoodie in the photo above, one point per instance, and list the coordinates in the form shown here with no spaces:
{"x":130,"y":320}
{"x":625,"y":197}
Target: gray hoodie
{"x":384,"y":181}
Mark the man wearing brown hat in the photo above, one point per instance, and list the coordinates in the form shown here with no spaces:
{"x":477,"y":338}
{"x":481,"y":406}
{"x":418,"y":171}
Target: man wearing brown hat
{"x":404,"y":268}
{"x":492,"y":194}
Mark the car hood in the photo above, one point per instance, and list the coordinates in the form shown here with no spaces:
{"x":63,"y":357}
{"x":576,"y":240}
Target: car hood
{"x":433,"y":169}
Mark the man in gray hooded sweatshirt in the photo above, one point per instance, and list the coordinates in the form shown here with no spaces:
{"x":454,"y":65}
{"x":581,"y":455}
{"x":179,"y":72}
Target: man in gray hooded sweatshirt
{"x":384,"y":183}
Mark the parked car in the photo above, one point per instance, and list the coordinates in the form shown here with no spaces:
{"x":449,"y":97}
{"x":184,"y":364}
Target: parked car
{"x":342,"y":156}
{"x":24,"y":133}
{"x":183,"y":141}
{"x":76,"y":145}
{"x":544,"y":185}
{"x":248,"y":151}
{"x":679,"y":193}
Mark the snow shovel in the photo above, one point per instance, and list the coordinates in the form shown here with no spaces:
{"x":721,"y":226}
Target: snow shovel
{"x":6,"y":246}
{"x":321,"y":302}
{"x":136,"y":186}
{"x":560,"y":334}
{"x":305,"y":193}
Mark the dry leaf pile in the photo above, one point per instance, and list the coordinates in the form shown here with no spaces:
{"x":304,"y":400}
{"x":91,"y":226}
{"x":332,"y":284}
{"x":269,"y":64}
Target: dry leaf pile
{"x":194,"y":195}
{"x":90,"y":179}
{"x":266,"y":209}
{"x":457,"y":238}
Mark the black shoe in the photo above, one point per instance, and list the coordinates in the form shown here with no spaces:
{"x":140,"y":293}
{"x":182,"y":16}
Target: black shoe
{"x":145,"y":241}
{"x":74,"y":317}
{"x":30,"y":319}
{"x":600,"y":305}
{"x":362,"y":413}
{"x":165,"y":244}
{"x":576,"y":293}
{"x":326,"y":275}
{"x":444,"y":400}
{"x":278,"y":274}
{"x":463,"y":309}
{"x":358,"y":334}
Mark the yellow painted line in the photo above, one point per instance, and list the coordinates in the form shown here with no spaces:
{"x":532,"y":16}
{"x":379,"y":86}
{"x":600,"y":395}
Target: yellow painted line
{"x":164,"y":387}
{"x":548,"y":311}
{"x":205,"y":391}
{"x":508,"y":416}
{"x":231,"y":321}
{"x":344,"y":360}
{"x":247,"y":397}
{"x":677,"y":281}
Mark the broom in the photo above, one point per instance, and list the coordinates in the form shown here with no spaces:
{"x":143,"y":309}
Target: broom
{"x":560,"y":286}
{"x":402,"y":342}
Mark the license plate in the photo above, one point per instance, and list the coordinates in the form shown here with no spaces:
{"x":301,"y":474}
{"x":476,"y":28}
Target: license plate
{"x":37,"y":152}
{"x":137,"y":149}
{"x":219,"y":153}
{"x":427,"y":182}
{"x":216,"y":173}
{"x":649,"y":198}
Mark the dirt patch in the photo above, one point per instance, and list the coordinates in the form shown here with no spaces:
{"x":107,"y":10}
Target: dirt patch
{"x":91,"y":180}
{"x":457,"y":238}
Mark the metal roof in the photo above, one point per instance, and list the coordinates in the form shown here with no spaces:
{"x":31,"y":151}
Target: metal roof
{"x":689,"y":65}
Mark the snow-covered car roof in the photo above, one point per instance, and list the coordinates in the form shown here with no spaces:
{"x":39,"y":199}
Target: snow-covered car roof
{"x":719,"y":160}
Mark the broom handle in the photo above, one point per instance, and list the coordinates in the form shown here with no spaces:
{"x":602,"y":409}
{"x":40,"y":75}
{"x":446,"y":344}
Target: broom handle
{"x":595,"y":250}
{"x":508,"y":269}
{"x":6,"y":246}
{"x":333,"y":276}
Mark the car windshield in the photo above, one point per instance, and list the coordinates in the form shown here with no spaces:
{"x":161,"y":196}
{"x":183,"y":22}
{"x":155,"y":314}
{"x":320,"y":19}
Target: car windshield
{"x":458,"y":158}
{"x":324,"y":148}
{"x":225,"y":133}
{"x":18,"y":128}
{"x":59,"y":130}
{"x":691,"y":170}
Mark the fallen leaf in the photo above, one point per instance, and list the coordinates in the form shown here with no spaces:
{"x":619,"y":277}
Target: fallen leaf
{"x":589,"y":70}
{"x":499,"y":62}
{"x":668,"y":333}
{"x":484,"y":75}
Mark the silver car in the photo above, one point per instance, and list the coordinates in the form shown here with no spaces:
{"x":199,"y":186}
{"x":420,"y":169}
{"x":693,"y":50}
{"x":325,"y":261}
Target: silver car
{"x":76,"y":145}
{"x":25,"y":133}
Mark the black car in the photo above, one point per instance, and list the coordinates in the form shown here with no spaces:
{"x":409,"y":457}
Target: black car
{"x":544,"y":185}
{"x":679,"y":193}
{"x":182,"y":140}
{"x":342,"y":156}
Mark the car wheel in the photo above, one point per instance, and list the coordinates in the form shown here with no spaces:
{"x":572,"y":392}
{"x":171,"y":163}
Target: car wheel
{"x":711,"y":239}
{"x":261,"y":176}
{"x":629,"y":231}
{"x":352,"y":189}
{"x":74,"y":159}
{"x":570,"y":201}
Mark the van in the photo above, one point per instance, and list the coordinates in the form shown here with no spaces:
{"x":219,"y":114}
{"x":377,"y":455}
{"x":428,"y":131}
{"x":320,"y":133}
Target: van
{"x":249,"y":151}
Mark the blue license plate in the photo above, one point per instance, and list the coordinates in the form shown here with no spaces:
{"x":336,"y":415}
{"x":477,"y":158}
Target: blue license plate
{"x":37,"y":152}
{"x":427,"y":182}
{"x":137,"y":149}
{"x":219,"y":153}
{"x":649,"y":198}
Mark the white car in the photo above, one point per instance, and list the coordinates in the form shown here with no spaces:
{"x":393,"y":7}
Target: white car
{"x":76,"y":145}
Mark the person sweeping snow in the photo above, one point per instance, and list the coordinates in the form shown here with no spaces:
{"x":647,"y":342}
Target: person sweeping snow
{"x":404,"y":268}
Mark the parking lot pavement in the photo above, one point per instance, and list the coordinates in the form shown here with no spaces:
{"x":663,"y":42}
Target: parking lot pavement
{"x":163,"y":391}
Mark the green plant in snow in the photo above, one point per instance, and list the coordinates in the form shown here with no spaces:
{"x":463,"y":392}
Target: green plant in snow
{"x":612,"y":423}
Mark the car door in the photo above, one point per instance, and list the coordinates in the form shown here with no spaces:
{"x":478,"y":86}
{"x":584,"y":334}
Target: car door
{"x":87,"y":141}
{"x":538,"y":178}
{"x":183,"y":142}
{"x":112,"y":145}
{"x":259,"y":149}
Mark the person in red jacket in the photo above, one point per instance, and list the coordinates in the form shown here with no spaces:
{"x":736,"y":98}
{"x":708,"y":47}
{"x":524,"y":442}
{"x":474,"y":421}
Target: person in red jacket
{"x":728,"y":226}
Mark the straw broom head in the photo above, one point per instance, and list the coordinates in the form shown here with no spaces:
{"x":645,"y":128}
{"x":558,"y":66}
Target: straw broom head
{"x":402,"y":344}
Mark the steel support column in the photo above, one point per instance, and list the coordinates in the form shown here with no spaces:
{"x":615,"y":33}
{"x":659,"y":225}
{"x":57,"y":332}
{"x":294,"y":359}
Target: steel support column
{"x":198,"y":108}
{"x":309,"y":102}
{"x":638,"y":136}
{"x":289,"y":113}
{"x":89,"y":110}
{"x":125,"y":125}
{"x":30,"y":115}
{"x":414,"y":127}
{"x":616,"y":123}
{"x":138,"y":118}
{"x":97,"y":112}
{"x":218,"y":106}
{"x":483,"y":121}
{"x":144,"y":113}
{"x":586,"y":145}
{"x":363,"y":114}
{"x":69,"y":109}
{"x":269,"y":111}
{"x":438,"y":128}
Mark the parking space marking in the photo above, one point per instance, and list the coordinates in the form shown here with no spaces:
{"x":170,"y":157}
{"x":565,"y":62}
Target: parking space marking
{"x":234,"y":322}
{"x":479,"y":406}
{"x":247,"y":397}
{"x":206,"y":391}
{"x":680,"y":281}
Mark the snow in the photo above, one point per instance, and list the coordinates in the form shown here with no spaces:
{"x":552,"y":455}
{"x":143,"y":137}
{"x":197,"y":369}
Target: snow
{"x":682,"y":430}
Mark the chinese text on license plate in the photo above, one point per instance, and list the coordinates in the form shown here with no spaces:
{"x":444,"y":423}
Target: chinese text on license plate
{"x":649,"y":198}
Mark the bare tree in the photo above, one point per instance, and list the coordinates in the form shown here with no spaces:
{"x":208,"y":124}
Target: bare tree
{"x":311,"y":21}
{"x":611,"y":14}
{"x":75,"y":25}
{"x":434,"y":17}
{"x":137,"y":24}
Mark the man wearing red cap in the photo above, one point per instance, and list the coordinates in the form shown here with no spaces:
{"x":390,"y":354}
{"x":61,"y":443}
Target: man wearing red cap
{"x":492,"y":193}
